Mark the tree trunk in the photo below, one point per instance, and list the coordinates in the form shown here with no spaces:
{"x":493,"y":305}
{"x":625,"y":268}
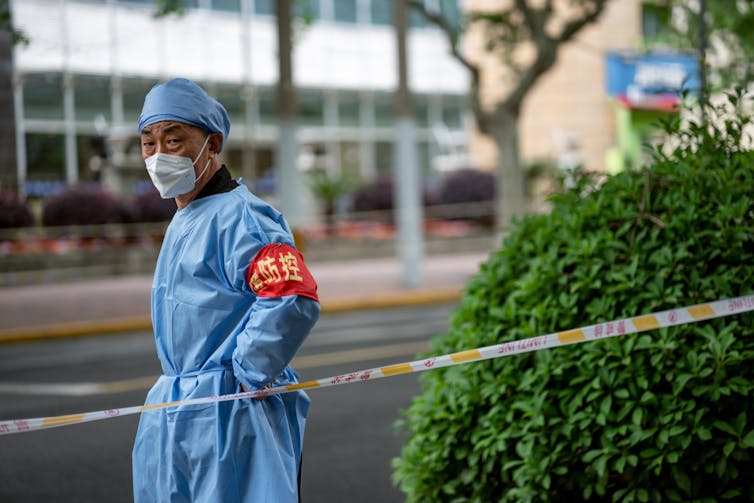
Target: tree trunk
{"x":511,"y":186}
{"x":8,"y":178}
{"x":289,"y":184}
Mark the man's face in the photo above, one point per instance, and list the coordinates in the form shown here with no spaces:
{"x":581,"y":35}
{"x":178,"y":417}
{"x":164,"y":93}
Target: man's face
{"x":171,"y":137}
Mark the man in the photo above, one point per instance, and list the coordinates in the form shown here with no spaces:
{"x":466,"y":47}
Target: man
{"x":232,"y":301}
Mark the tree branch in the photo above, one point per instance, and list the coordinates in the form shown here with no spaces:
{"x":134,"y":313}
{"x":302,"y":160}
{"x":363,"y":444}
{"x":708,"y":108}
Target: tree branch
{"x":453,"y":38}
{"x":450,"y":33}
{"x":547,"y":47}
{"x":530,"y":17}
{"x":575,"y":25}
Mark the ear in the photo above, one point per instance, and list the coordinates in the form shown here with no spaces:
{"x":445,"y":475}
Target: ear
{"x":215,"y":143}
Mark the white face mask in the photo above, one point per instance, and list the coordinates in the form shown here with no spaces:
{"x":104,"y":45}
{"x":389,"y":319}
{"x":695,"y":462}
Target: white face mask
{"x":173,"y":175}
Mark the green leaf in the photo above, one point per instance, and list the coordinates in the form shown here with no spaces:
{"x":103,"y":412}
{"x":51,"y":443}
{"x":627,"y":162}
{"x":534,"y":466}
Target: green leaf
{"x":682,"y":479}
{"x":621,"y":393}
{"x":590,"y":456}
{"x":730,"y":445}
{"x":748,"y":441}
{"x":637,"y":416}
{"x":703,"y":433}
{"x":727,"y":428}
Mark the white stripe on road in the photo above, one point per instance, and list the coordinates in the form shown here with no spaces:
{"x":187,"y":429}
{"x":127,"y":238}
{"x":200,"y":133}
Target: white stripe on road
{"x":143,"y":383}
{"x":57,"y":389}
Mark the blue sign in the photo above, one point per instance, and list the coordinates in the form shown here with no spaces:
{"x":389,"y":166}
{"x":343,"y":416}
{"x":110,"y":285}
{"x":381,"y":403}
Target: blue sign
{"x":652,"y":81}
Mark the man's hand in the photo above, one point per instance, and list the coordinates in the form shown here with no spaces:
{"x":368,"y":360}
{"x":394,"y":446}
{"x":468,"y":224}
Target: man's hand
{"x":261,"y":396}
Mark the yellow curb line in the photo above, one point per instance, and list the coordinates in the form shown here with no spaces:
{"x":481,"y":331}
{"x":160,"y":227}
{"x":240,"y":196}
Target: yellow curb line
{"x":142,"y":323}
{"x":400,"y":299}
{"x":75,"y":329}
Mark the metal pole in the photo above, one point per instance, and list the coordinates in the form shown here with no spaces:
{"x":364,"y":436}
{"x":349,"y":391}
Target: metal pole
{"x":407,"y":185}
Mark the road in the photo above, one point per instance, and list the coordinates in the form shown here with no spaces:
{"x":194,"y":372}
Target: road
{"x":350,"y":437}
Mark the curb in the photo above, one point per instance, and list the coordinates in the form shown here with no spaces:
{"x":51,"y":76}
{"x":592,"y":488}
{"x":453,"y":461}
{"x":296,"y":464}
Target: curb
{"x":143,"y":323}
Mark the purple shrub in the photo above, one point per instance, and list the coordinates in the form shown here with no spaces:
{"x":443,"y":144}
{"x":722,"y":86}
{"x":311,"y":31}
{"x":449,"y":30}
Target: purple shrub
{"x":14,"y":212}
{"x":468,"y":186}
{"x":85,"y":204}
{"x":150,"y":207}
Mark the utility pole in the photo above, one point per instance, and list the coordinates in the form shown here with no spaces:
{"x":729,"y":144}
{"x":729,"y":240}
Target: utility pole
{"x":407,"y":187}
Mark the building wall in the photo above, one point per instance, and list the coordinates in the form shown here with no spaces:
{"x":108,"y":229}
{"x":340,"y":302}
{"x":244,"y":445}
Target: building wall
{"x":568,"y":115}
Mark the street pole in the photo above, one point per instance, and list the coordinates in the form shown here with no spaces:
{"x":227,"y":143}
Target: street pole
{"x":248,"y":161}
{"x":407,"y":186}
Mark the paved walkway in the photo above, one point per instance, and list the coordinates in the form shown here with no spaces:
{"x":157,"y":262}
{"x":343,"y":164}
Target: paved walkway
{"x":122,"y":303}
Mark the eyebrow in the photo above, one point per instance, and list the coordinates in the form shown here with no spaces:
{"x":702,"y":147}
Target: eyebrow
{"x":173,"y":128}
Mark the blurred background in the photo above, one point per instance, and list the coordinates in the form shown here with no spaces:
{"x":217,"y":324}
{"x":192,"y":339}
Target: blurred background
{"x":75,"y":198}
{"x":399,"y":138}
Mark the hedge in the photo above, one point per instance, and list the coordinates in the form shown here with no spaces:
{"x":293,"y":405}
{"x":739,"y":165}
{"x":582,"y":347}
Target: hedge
{"x":663,"y":416}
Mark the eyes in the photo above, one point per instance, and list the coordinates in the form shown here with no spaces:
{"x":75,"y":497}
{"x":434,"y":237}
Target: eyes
{"x":171,"y":142}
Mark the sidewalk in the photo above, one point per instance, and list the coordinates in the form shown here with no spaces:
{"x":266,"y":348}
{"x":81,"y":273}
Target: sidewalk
{"x":121,"y":303}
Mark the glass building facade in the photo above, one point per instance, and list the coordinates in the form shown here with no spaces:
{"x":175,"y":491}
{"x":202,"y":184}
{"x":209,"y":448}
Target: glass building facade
{"x":90,"y":63}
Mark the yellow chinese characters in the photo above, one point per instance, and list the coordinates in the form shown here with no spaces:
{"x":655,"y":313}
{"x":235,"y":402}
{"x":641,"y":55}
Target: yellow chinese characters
{"x":275,"y":269}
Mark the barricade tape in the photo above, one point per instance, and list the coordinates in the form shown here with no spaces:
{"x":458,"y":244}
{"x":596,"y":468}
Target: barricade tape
{"x":626,"y":326}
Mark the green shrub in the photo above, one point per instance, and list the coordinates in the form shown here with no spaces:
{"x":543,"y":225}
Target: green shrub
{"x":663,"y":416}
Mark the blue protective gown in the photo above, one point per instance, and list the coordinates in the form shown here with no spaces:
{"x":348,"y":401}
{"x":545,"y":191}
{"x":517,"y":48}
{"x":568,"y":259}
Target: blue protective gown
{"x":212,"y":334}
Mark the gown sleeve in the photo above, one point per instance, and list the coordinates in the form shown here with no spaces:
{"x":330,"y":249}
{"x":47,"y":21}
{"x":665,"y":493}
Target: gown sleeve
{"x":276,"y":329}
{"x":284,"y":311}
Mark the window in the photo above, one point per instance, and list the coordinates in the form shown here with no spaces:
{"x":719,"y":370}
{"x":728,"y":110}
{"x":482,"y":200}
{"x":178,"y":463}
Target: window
{"x":452,"y":114}
{"x":383,"y":110}
{"x":350,"y":160}
{"x":345,"y":11}
{"x":230,"y":98}
{"x":43,"y":96}
{"x":306,"y":9}
{"x":302,"y":9}
{"x":655,"y":21}
{"x":421,"y":111}
{"x":266,"y":7}
{"x":311,"y":109}
{"x":348,"y":110}
{"x":134,"y":92}
{"x":422,"y":158}
{"x":416,"y":19}
{"x":267,"y":107}
{"x":92,"y":97}
{"x":45,"y":154}
{"x":382,"y":12}
{"x":183,"y":3}
{"x":227,"y":5}
{"x":383,"y":153}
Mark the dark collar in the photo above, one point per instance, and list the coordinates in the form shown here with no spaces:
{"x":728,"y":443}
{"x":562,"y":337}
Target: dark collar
{"x":219,"y":183}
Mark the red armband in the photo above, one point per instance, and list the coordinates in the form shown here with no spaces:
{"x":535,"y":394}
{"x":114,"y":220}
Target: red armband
{"x":279,"y":270}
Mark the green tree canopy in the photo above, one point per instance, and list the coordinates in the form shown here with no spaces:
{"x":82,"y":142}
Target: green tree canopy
{"x":728,"y":36}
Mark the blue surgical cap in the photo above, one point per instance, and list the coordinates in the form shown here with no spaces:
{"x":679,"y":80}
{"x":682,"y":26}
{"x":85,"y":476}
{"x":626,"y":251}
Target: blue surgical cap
{"x":184,"y":101}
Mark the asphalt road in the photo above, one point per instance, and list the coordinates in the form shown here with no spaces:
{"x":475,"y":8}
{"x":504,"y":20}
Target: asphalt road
{"x":350,"y":437}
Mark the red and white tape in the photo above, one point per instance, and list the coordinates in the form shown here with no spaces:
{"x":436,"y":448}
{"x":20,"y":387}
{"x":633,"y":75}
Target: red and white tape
{"x":626,"y":326}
